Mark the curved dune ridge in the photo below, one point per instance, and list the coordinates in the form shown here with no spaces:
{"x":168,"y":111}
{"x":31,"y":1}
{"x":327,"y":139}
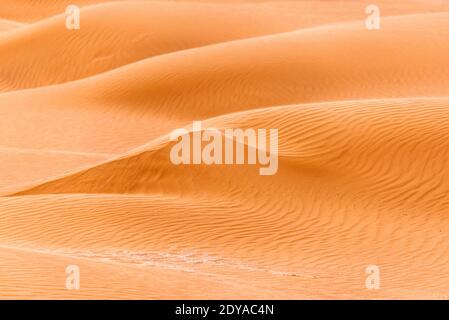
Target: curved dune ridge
{"x":86,"y":176}
{"x":6,"y":25}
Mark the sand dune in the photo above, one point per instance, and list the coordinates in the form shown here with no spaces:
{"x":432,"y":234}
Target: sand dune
{"x":250,"y":73}
{"x":86,"y":176}
{"x":36,"y":164}
{"x":328,"y":175}
{"x":153,"y":30}
{"x":315,"y":137}
{"x":170,"y":91}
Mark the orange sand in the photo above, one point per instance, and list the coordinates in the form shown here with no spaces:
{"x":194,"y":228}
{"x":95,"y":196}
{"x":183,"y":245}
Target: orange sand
{"x":86,"y":178}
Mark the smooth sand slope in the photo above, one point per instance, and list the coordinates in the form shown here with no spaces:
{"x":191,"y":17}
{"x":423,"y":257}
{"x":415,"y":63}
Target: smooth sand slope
{"x":86,"y":177}
{"x":337,"y":62}
{"x":114,"y":34}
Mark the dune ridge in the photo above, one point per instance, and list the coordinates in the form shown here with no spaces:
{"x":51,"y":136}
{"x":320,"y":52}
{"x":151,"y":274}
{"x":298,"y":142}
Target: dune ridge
{"x":155,"y":31}
{"x":308,"y":138}
{"x":252,"y":76}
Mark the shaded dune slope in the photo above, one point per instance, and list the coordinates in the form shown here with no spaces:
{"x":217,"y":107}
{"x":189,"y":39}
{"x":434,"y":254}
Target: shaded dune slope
{"x":347,"y":63}
{"x":339,"y":62}
{"x":243,"y":243}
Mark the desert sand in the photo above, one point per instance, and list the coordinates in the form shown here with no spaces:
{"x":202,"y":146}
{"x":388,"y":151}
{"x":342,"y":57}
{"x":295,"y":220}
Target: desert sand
{"x":86,"y":177}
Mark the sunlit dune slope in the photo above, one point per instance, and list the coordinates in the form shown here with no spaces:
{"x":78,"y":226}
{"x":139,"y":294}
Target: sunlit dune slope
{"x":155,"y":28}
{"x":343,"y":62}
{"x":34,"y":56}
{"x":338,"y":62}
{"x":345,"y":183}
{"x":147,"y":99}
{"x":103,"y":279}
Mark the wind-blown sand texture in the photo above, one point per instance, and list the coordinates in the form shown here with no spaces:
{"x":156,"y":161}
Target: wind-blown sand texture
{"x":86,"y":178}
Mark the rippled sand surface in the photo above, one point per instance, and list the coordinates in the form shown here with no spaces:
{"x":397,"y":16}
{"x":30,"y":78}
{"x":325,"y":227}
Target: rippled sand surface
{"x":85,"y":171}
